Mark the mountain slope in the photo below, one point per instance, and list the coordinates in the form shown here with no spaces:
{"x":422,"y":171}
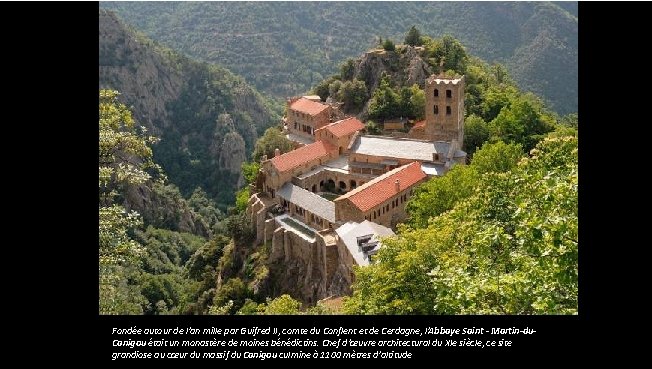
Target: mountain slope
{"x":284,"y":48}
{"x":208,"y":119}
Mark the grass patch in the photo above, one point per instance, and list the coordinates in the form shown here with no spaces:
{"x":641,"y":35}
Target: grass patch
{"x":329,"y":196}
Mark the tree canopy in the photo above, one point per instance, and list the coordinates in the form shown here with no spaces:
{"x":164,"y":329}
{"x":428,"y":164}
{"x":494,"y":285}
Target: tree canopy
{"x":413,"y":37}
{"x":509,"y":247}
{"x":124,"y":158}
{"x":270,"y":141}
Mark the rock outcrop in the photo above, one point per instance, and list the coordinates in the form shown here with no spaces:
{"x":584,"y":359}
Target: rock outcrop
{"x":405,"y":66}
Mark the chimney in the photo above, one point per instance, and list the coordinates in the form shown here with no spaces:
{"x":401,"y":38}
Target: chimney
{"x":277,"y":152}
{"x":397,"y":185}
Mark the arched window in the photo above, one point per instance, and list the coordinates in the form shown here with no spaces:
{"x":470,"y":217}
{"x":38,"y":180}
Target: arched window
{"x":449,"y":93}
{"x":435,"y":109}
{"x":436,"y":92}
{"x":448,"y":110}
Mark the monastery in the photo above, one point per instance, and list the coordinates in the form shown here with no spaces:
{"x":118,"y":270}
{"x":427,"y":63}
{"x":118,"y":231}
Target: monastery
{"x":343,"y":190}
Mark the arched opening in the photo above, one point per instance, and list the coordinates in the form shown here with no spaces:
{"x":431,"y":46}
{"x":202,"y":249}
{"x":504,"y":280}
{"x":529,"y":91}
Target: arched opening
{"x":436,"y":92}
{"x":352,"y":184}
{"x":342,"y":185}
{"x":314,"y":188}
{"x":330,"y":185}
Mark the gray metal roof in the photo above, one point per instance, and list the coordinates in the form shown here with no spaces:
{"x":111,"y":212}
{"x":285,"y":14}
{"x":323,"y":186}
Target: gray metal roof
{"x":350,"y":231}
{"x":399,"y":147}
{"x":311,"y":202}
{"x":433,"y":169}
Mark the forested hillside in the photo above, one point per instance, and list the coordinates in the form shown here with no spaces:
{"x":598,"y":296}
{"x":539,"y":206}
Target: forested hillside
{"x":285,"y":47}
{"x":207,"y":118}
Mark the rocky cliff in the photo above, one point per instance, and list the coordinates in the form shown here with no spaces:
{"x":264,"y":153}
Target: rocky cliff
{"x":405,"y":67}
{"x":207,"y":118}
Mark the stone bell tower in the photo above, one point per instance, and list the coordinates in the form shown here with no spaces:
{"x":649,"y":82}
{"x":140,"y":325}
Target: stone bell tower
{"x":445,"y":109}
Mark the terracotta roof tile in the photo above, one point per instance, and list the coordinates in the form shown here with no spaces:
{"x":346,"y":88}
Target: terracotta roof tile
{"x":344,"y":127}
{"x":302,"y":155}
{"x":419,"y":124}
{"x":382,"y":188}
{"x":308,"y":107}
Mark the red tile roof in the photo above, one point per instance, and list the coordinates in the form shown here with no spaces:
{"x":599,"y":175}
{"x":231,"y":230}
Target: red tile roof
{"x":344,"y":127}
{"x":381,"y":189}
{"x":302,"y":155}
{"x":308,"y":107}
{"x":419,"y":124}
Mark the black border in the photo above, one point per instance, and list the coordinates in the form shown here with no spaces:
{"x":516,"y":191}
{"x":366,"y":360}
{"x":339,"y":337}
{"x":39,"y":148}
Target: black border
{"x":68,"y":55}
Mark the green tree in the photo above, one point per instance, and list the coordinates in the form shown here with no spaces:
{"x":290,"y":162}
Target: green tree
{"x":413,"y":37}
{"x":346,"y":70}
{"x":322,"y":88}
{"x":476,"y":133}
{"x":570,"y":120}
{"x":282,"y":305}
{"x":234,"y":293}
{"x":334,"y":89}
{"x":201,"y":204}
{"x":388,"y":45}
{"x":448,"y":53}
{"x":385,"y":102}
{"x":497,"y":157}
{"x":271,"y":140}
{"x":495,"y":99}
{"x":508,"y":248}
{"x":417,"y":102}
{"x":250,"y":171}
{"x":124,"y":159}
{"x":242,"y":199}
{"x":522,"y":122}
{"x":353,"y":94}
{"x":441,"y":194}
{"x":373,"y":128}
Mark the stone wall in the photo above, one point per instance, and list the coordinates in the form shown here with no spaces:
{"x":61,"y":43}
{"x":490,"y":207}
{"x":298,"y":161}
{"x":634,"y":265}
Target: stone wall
{"x":301,"y":268}
{"x":306,"y":270}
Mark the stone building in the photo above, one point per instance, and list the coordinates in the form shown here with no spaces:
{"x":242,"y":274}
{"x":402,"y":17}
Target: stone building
{"x":381,"y":200}
{"x":304,"y":116}
{"x":282,"y":168}
{"x":444,"y":109}
{"x":339,"y":134}
{"x":342,"y":179}
{"x":357,"y":243}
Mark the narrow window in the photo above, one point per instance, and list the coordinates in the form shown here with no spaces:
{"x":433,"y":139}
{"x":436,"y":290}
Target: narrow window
{"x":448,"y":110}
{"x":435,"y":109}
{"x":436,"y":92}
{"x":449,"y":93}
